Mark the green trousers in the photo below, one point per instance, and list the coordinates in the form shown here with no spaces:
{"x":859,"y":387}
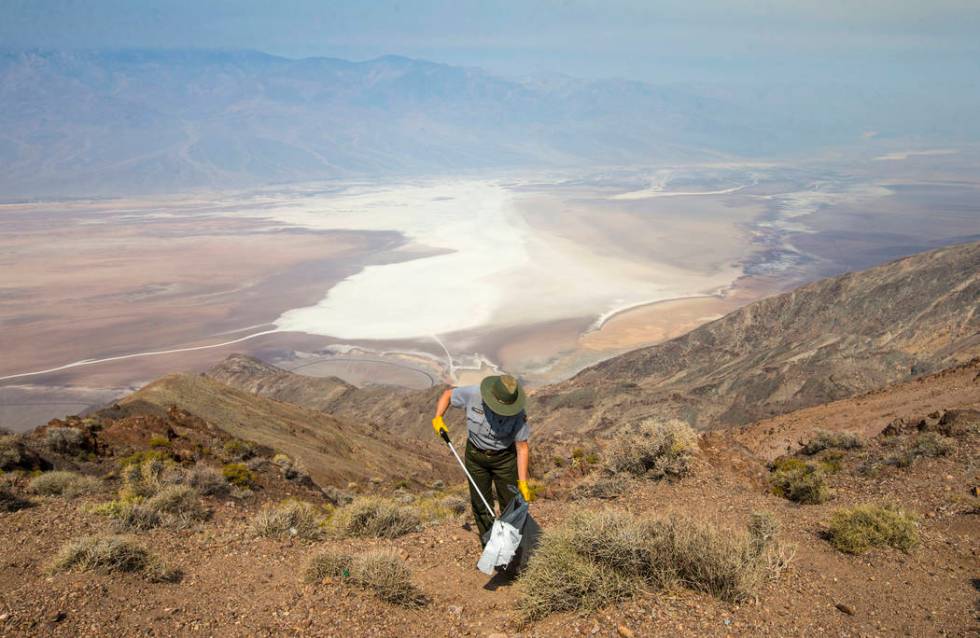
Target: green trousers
{"x":498,"y":470}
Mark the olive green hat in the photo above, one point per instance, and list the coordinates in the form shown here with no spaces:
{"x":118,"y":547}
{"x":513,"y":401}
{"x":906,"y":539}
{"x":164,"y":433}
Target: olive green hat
{"x":503,"y":394}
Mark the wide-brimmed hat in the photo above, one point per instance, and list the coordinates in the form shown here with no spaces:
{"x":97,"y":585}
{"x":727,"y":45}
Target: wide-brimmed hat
{"x":503,"y":394}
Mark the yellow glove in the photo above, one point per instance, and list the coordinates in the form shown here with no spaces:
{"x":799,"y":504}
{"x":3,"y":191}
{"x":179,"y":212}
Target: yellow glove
{"x":525,"y":491}
{"x":439,"y":426}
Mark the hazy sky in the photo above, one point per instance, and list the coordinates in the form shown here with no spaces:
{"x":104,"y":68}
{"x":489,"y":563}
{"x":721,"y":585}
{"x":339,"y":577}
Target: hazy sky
{"x":696,"y":40}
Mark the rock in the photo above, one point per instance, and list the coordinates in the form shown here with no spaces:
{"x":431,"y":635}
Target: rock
{"x":625,"y":632}
{"x":58,"y":616}
{"x":847,"y":609}
{"x":976,"y":491}
{"x":455,"y":611}
{"x":4,"y":617}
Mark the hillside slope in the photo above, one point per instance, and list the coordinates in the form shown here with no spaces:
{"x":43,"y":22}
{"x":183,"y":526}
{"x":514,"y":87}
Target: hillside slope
{"x":399,"y":411}
{"x":331,"y":449}
{"x":235,"y":583}
{"x":824,"y":341}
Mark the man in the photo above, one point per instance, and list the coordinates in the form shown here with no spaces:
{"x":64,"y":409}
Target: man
{"x":496,"y":445}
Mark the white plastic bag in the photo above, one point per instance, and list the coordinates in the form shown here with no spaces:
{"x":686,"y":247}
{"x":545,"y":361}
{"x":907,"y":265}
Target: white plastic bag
{"x":504,"y":540}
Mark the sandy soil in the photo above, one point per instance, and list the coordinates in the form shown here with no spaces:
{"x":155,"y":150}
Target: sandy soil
{"x":238,"y":585}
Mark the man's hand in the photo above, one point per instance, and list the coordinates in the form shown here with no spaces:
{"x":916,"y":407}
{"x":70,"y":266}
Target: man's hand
{"x":525,"y":491}
{"x":439,"y":426}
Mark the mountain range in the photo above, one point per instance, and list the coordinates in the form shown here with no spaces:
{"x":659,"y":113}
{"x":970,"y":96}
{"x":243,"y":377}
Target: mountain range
{"x":82,"y":123}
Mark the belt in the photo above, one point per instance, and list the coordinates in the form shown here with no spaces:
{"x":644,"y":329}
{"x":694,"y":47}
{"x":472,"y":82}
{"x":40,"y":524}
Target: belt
{"x":490,"y":452}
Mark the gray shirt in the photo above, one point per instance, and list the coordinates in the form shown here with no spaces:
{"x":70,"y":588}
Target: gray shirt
{"x":487,"y":429}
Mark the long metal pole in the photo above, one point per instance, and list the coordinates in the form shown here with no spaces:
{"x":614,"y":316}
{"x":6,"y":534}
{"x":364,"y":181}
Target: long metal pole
{"x":445,"y":437}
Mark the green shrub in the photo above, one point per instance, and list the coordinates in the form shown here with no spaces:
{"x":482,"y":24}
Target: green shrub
{"x":798,"y":481}
{"x":111,"y":554}
{"x":831,"y":462}
{"x":375,"y":517}
{"x":825,"y":440}
{"x":144,"y":456}
{"x":932,"y":444}
{"x":238,"y":475}
{"x":143,"y":475}
{"x":159,"y":442}
{"x":657,"y":449}
{"x":14,"y":454}
{"x":68,"y":484}
{"x":597,"y":558}
{"x":64,"y":440}
{"x":289,"y":518}
{"x":857,"y":529}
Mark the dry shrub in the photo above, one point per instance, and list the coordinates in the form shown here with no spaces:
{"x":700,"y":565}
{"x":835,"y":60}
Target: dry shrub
{"x":799,"y":481}
{"x":595,"y":559}
{"x":68,"y":484}
{"x":174,"y":506}
{"x":10,"y":502}
{"x":289,"y":518}
{"x":857,"y":529}
{"x":924,"y":444}
{"x":657,"y":449}
{"x":375,"y":517}
{"x":826,"y":440}
{"x":428,"y":509}
{"x":111,"y":554}
{"x":384,"y":572}
{"x":601,"y":487}
{"x":64,"y":440}
{"x":207,"y":480}
{"x":454,"y":504}
{"x":292,"y":470}
{"x":327,"y":564}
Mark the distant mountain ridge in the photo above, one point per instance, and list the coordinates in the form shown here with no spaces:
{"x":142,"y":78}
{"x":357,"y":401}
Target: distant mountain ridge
{"x":143,"y":121}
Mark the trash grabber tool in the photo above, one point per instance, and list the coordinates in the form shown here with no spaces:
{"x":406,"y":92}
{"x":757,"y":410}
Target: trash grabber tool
{"x":445,"y":437}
